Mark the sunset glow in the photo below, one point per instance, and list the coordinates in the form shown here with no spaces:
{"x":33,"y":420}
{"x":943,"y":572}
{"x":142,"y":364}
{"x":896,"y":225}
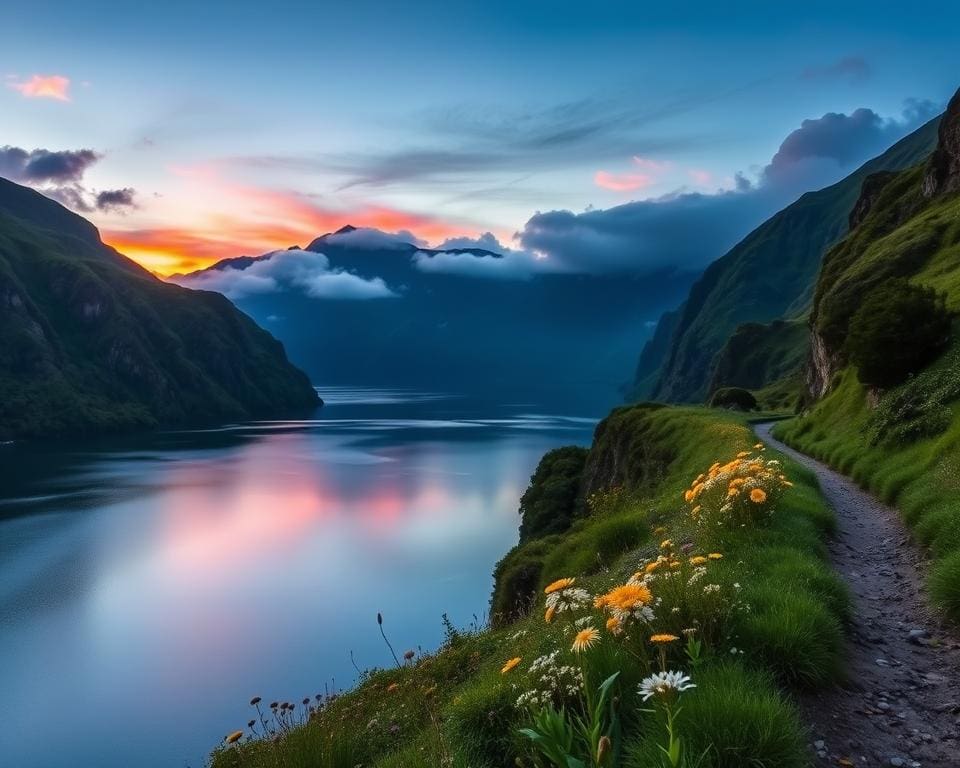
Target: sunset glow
{"x":42,"y":87}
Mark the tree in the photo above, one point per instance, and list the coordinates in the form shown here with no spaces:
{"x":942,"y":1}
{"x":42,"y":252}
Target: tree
{"x":899,"y":328}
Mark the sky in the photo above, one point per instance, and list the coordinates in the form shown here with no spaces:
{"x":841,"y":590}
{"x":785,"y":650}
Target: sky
{"x":572,"y":137}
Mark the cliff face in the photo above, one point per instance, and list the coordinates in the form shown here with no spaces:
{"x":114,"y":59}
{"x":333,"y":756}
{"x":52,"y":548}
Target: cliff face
{"x":943,"y":170}
{"x":900,"y":225}
{"x":90,"y":341}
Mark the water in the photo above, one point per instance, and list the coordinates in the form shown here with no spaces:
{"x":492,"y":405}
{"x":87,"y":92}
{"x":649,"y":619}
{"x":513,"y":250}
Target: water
{"x":149,"y":586}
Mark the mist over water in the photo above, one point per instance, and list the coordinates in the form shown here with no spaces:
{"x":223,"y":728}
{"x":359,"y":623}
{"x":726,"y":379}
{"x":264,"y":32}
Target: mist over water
{"x":150,"y":585}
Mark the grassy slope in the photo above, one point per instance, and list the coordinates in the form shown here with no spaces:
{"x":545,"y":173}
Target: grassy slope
{"x":915,"y":464}
{"x":89,"y":341}
{"x":456,"y":708}
{"x":769,"y":274}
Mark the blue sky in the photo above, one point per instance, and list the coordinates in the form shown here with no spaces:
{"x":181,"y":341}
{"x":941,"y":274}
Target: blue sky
{"x":238,"y":127}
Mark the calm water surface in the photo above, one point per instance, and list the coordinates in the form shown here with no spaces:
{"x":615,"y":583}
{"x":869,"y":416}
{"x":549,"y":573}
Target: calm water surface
{"x":150,"y":586}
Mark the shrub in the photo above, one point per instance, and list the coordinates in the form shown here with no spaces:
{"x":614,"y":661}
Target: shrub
{"x":898,"y":329}
{"x":549,"y":505}
{"x":735,"y":398}
{"x":945,"y":584}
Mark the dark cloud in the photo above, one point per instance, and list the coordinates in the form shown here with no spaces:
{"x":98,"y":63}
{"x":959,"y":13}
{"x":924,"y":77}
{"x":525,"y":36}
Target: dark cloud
{"x":686,"y":231}
{"x":73,"y":196}
{"x":40,"y":166}
{"x":116,"y":199}
{"x":855,"y":68}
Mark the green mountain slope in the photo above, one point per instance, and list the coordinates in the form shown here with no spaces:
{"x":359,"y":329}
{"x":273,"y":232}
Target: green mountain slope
{"x":902,"y":443}
{"x":768,"y":275}
{"x":90,"y":341}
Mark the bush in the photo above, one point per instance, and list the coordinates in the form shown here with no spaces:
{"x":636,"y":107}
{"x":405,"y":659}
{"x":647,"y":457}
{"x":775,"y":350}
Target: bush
{"x":945,"y":584}
{"x":898,"y":329}
{"x":735,"y":398}
{"x":549,"y":505}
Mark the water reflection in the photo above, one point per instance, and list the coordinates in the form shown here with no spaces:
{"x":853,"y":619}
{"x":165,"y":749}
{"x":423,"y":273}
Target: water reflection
{"x":151,"y":585}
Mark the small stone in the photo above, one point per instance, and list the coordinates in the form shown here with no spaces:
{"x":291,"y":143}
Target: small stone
{"x":896,"y":762}
{"x":883,"y":663}
{"x":819,"y":744}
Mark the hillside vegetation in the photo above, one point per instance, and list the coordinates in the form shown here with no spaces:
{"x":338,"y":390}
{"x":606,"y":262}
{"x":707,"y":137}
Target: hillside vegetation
{"x":768,"y":276}
{"x":657,"y":569}
{"x":901,"y":441}
{"x":91,"y":342}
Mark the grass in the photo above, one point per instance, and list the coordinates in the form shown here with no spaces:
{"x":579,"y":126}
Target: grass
{"x":455,"y":708}
{"x":919,"y":474}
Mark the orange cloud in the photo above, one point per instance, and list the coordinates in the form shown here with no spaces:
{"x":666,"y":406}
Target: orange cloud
{"x":700,"y":177}
{"x":257,"y":221}
{"x":623,"y":182}
{"x":43,"y":87}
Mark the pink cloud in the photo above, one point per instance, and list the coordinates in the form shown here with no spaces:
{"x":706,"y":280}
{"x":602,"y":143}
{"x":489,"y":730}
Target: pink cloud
{"x":700,"y":177}
{"x":623,"y":182}
{"x":43,"y":87}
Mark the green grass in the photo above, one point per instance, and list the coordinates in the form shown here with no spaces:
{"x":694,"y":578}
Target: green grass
{"x":455,"y":708}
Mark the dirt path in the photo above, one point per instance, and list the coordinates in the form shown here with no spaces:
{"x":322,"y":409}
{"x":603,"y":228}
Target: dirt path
{"x":901,"y":704}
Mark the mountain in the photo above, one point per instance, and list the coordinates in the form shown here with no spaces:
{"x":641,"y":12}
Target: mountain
{"x":363,"y":307}
{"x":90,"y":341}
{"x":767,"y":276}
{"x":899,"y":438}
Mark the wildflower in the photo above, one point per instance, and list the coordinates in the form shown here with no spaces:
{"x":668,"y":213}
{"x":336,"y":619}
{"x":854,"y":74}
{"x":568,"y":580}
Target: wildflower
{"x":758,"y":495}
{"x":603,"y":747}
{"x":659,"y":531}
{"x":613,"y":625}
{"x":663,"y":639}
{"x":651,"y":567}
{"x":743,"y":454}
{"x":408,"y":656}
{"x":548,"y":616}
{"x":392,"y":687}
{"x":758,"y":446}
{"x":625,"y":598}
{"x":715,"y":556}
{"x":688,"y":496}
{"x":558,"y":585}
{"x":688,"y":632}
{"x":234,"y":737}
{"x":255,"y":700}
{"x":665,"y":685}
{"x":666,"y":544}
{"x":585,"y":639}
{"x":698,"y":560}
{"x":568,"y":599}
{"x":510,"y":665}
{"x":696,"y":510}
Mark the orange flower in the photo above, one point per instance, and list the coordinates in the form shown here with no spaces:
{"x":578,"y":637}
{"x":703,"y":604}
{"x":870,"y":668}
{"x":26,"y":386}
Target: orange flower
{"x":613,"y":625}
{"x":548,"y":616}
{"x":510,"y":665}
{"x":585,"y":639}
{"x":758,"y":495}
{"x":557,"y":585}
{"x":234,"y":737}
{"x":663,"y":639}
{"x":392,"y":687}
{"x":625,"y":598}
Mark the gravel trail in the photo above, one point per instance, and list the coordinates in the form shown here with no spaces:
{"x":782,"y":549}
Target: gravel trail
{"x":900,"y":705}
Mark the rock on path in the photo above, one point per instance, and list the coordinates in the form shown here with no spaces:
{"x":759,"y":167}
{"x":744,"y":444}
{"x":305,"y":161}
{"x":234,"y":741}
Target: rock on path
{"x":900,"y":705}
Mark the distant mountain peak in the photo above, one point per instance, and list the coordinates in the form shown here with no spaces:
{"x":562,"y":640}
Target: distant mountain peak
{"x":346,"y":228}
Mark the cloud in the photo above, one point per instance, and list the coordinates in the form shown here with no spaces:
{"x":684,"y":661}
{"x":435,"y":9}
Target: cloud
{"x":499,"y":262}
{"x":116,"y":199}
{"x":623,"y":182}
{"x":42,"y":87}
{"x":855,"y":68}
{"x":39,"y":166}
{"x":686,"y":230}
{"x":293,"y":269}
{"x":368,"y":238}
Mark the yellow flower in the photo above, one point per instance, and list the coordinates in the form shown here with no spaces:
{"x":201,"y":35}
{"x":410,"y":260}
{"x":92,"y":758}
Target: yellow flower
{"x":613,"y":625}
{"x":731,"y":492}
{"x":510,"y":665}
{"x":234,"y":737}
{"x":688,"y":496}
{"x":625,"y":598}
{"x":557,"y":585}
{"x":548,"y":616}
{"x":715,"y":556}
{"x":651,"y":567}
{"x":666,"y":544}
{"x":659,"y":531}
{"x":698,"y":560}
{"x":675,"y":563}
{"x":663,"y":639}
{"x":758,"y":495}
{"x":743,"y":454}
{"x":585,"y":639}
{"x":392,"y":687}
